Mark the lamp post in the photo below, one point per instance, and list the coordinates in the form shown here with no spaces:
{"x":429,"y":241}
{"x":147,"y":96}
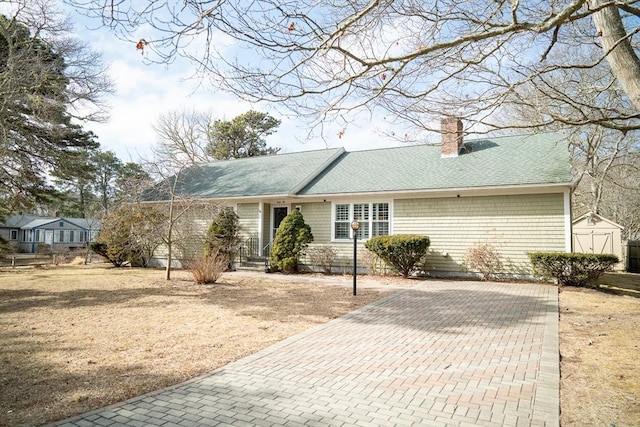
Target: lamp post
{"x":355,"y":226}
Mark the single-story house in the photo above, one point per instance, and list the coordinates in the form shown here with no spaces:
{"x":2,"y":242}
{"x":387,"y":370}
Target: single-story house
{"x":595,"y":234}
{"x":32,"y":234}
{"x":512,"y":192}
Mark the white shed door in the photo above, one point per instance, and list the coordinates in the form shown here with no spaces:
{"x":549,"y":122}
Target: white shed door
{"x":593,"y":243}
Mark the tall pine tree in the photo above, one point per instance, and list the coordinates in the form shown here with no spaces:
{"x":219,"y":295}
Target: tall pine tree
{"x":37,"y":136}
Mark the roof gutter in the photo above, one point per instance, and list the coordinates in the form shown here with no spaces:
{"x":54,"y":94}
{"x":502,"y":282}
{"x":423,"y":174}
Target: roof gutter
{"x":445,"y":192}
{"x":440,"y":192}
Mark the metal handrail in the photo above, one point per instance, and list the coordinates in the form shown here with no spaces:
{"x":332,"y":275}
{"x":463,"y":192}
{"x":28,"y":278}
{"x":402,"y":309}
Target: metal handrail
{"x":266,"y":251}
{"x":248,"y":248}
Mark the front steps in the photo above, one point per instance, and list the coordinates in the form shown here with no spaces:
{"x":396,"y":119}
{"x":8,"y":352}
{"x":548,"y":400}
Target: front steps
{"x":252,"y":264}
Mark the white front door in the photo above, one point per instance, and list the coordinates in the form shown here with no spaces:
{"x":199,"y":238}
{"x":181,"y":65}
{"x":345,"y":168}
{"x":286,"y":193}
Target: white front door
{"x":48,"y":237}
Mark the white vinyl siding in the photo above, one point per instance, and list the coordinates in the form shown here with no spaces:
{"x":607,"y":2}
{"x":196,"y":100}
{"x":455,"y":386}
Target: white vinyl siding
{"x":514,"y":225}
{"x":248,"y":218}
{"x":315,"y":215}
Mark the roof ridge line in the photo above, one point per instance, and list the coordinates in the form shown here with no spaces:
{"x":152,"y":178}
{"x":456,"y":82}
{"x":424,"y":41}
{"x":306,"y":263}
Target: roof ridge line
{"x":317,"y":171}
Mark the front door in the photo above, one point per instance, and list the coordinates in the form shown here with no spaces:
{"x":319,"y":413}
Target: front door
{"x":48,"y":237}
{"x":279,"y":212}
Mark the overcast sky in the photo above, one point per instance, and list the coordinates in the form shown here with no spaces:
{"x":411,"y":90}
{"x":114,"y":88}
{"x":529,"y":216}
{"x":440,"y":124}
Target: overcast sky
{"x":144,"y":91}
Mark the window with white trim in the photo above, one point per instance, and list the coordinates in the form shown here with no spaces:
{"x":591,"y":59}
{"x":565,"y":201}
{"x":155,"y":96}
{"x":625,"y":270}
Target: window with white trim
{"x":380,"y":219}
{"x":373,"y":219}
{"x":361,"y":214}
{"x":342,"y":221}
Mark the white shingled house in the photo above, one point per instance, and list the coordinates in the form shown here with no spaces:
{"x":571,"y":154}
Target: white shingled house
{"x":512,"y":192}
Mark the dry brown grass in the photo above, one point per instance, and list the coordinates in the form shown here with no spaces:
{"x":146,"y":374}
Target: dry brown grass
{"x":78,"y":338}
{"x":599,"y":345}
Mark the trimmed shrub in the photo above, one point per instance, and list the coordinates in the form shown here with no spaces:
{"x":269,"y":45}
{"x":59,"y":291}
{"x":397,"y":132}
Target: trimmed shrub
{"x":224,"y":234}
{"x":483,"y":258}
{"x":401,"y":251}
{"x":571,"y":269}
{"x":208,"y":268}
{"x":292,"y":238}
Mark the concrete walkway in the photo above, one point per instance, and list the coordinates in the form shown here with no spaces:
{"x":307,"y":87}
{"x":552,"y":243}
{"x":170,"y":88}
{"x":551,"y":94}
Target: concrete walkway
{"x":442,"y":353}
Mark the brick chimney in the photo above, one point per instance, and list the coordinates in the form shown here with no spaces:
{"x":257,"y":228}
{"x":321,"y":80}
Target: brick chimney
{"x":451,"y":136}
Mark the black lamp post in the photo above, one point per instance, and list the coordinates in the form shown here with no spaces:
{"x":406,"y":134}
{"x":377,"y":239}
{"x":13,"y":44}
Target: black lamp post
{"x":355,"y":226}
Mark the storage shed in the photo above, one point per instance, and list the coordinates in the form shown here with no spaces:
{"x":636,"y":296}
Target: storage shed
{"x":594,"y":234}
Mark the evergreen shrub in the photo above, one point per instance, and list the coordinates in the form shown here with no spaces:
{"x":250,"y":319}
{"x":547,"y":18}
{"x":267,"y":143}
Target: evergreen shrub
{"x":403,"y":252}
{"x":292,"y":238}
{"x":571,"y":269}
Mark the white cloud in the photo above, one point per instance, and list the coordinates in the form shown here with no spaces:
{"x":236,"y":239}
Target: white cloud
{"x":144,"y":91}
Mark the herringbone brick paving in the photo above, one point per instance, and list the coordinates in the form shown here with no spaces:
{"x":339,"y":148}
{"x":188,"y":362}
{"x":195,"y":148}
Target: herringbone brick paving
{"x":443,"y":353}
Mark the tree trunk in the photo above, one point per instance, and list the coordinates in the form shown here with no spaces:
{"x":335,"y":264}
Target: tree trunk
{"x":596,"y":192}
{"x":169,"y":240}
{"x":167,"y":274}
{"x":622,"y":59}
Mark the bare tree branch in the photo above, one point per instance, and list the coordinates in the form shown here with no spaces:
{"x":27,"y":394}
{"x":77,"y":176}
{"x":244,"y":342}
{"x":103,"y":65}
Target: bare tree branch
{"x":327,"y":61}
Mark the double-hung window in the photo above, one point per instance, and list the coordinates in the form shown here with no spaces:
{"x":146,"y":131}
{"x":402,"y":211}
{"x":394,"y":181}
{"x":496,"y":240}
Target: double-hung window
{"x":373,"y":219}
{"x":361,"y":214}
{"x":380,"y":219}
{"x":342,"y":221}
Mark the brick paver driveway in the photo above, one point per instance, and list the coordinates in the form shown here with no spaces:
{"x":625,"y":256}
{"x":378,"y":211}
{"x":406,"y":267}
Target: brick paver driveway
{"x":440,"y":354}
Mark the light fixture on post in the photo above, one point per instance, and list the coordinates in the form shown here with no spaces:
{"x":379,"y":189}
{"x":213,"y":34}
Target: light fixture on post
{"x":355,"y":226}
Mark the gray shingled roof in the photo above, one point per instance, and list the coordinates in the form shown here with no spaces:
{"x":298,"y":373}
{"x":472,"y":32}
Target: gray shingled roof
{"x":489,"y":162}
{"x":256,"y":176}
{"x":27,"y":222}
{"x":17,"y":221}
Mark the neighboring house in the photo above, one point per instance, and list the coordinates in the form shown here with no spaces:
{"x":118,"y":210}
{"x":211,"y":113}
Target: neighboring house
{"x":28,"y":233}
{"x":512,"y":192}
{"x":594,"y":234}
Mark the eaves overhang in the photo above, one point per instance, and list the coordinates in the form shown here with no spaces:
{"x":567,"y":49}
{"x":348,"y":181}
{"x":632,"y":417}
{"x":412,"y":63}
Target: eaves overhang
{"x":452,"y":191}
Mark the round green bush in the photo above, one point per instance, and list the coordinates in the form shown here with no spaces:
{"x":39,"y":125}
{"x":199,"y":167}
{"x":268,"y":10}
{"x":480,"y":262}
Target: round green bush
{"x":403,"y":252}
